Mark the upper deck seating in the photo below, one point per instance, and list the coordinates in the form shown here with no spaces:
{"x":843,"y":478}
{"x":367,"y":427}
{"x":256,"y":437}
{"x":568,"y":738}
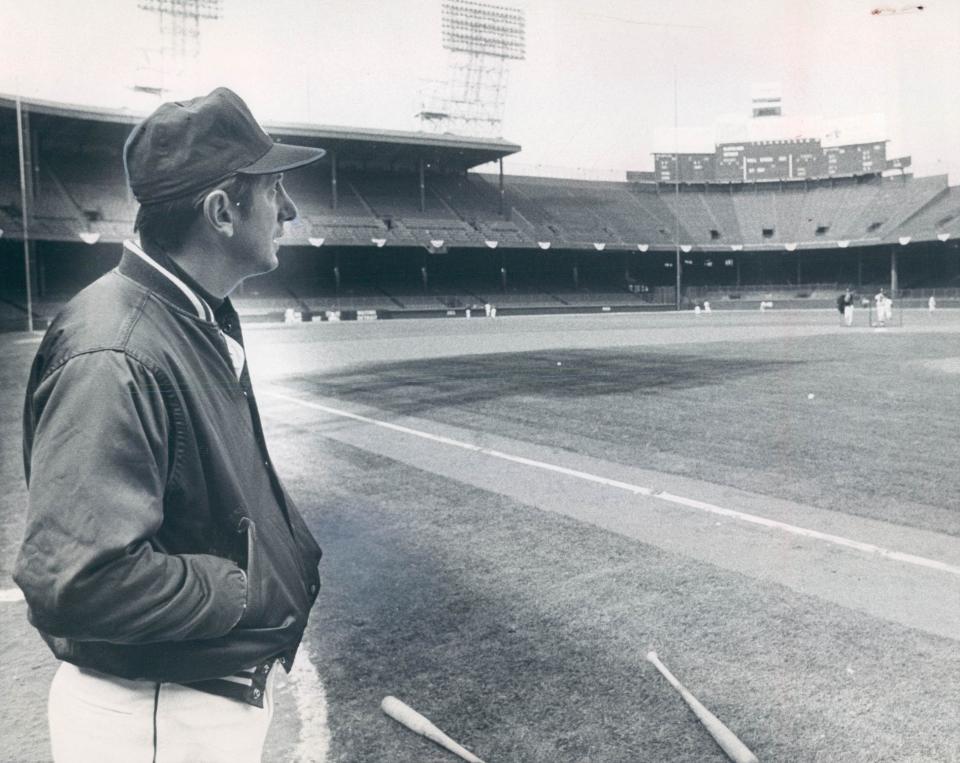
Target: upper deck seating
{"x":939,"y":216}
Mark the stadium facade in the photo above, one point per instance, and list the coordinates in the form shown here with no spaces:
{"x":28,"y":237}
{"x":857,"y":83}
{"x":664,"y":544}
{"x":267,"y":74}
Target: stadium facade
{"x":398,"y":223}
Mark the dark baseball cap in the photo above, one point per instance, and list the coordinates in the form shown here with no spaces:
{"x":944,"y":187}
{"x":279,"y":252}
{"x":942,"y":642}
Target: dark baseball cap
{"x":186,"y":146}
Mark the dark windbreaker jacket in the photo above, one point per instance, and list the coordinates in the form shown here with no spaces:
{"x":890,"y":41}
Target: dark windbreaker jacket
{"x":159,"y":542}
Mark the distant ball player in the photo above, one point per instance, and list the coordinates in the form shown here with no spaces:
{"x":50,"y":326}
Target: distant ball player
{"x":163,"y":562}
{"x":883,"y":306}
{"x":845,"y":304}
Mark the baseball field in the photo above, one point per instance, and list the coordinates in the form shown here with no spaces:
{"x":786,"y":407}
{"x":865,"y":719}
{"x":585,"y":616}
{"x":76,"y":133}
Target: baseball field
{"x":515,"y":511}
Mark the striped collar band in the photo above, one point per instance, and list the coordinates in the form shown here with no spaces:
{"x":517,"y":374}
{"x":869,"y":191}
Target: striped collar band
{"x":176,"y":289}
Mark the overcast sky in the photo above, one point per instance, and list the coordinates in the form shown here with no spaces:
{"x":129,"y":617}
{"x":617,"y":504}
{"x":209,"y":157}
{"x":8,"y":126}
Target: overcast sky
{"x":596,"y":90}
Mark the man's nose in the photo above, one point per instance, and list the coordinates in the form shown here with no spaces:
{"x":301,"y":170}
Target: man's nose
{"x":287,"y":210}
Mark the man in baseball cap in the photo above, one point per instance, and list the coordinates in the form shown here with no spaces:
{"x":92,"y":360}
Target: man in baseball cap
{"x":186,"y":146}
{"x":163,"y":561}
{"x":194,"y":166}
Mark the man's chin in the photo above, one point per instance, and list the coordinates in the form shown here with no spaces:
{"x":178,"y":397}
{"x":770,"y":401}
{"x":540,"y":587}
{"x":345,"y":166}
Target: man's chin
{"x":262,"y":268}
{"x":268,"y":264}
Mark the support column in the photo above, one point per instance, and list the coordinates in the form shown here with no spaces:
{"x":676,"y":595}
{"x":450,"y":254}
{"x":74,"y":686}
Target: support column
{"x":894,"y":285}
{"x":26,"y":198}
{"x":859,"y":270}
{"x":799,"y":270}
{"x":500,"y":209}
{"x":737,"y":261}
{"x":678,"y":264}
{"x":423,"y":188}
{"x":334,"y":201}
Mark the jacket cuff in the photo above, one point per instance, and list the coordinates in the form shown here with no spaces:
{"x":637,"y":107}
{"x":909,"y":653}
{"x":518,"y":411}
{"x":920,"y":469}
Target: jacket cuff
{"x":236,"y":594}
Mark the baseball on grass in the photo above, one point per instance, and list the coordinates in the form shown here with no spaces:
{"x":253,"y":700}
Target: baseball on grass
{"x":810,"y":396}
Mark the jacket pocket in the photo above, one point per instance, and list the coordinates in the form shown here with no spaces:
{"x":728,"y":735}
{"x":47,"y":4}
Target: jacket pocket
{"x":275,"y":589}
{"x":253,"y":604}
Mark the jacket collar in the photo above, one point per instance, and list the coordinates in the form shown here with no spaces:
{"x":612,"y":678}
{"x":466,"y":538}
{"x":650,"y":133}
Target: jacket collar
{"x":143,"y":269}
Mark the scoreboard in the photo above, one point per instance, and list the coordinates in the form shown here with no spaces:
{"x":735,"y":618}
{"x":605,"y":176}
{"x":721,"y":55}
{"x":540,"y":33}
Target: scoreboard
{"x":858,"y":159}
{"x":694,"y":168}
{"x":746,"y":161}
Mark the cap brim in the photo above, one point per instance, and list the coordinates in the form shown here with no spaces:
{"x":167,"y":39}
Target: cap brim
{"x":283,"y":158}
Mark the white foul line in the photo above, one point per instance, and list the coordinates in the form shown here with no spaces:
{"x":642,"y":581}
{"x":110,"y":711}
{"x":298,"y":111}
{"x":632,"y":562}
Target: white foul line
{"x":659,"y":495}
{"x":314,"y":739}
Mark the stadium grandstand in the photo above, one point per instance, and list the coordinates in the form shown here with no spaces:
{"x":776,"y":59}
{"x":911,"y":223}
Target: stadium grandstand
{"x":401,"y":223}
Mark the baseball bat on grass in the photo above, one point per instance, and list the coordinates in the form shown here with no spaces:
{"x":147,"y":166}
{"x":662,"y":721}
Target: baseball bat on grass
{"x":403,"y":713}
{"x":736,"y":750}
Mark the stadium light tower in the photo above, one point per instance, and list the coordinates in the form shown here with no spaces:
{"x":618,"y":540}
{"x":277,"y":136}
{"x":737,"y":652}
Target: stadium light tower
{"x":179,"y":40}
{"x":481,"y":39}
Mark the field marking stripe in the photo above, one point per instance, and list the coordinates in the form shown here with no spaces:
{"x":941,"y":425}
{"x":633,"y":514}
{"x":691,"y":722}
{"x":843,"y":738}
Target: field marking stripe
{"x":467,"y":446}
{"x":839,"y":540}
{"x":11,"y":594}
{"x":679,"y":500}
{"x":313,"y":743}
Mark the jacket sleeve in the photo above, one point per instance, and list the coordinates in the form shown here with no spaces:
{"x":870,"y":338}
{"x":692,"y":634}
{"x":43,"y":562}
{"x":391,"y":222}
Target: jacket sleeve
{"x":98,"y":465}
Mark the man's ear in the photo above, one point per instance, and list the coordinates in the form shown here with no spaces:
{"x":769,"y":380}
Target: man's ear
{"x":218,"y":212}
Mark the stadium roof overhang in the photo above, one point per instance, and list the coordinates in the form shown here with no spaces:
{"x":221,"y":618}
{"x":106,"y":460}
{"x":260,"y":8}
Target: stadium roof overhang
{"x":353,"y":147}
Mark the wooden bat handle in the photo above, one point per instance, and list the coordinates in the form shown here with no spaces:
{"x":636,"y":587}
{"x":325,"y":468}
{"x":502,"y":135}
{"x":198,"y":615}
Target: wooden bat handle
{"x":403,"y":713}
{"x":736,"y":750}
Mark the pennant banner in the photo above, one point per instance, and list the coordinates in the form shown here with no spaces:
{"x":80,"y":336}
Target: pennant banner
{"x":436,"y":243}
{"x":686,"y":248}
{"x":316,"y":241}
{"x":89,"y":237}
{"x":737,"y":247}
{"x":790,"y":247}
{"x":904,"y":240}
{"x":643,"y":247}
{"x":599,"y":247}
{"x":379,"y":241}
{"x":491,"y":244}
{"x":543,"y":244}
{"x":941,"y":236}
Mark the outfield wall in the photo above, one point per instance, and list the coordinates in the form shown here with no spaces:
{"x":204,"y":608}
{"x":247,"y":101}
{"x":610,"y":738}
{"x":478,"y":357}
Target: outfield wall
{"x":411,"y":282}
